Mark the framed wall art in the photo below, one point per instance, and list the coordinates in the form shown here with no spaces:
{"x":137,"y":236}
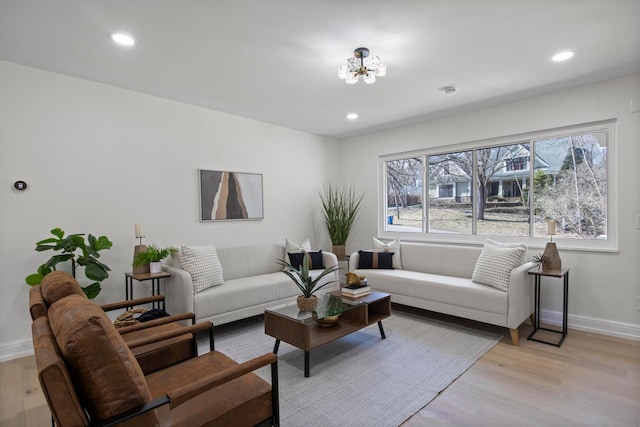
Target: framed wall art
{"x":230,"y":195}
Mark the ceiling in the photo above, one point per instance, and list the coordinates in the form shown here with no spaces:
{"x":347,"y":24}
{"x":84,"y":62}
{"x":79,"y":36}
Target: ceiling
{"x":276,"y":60}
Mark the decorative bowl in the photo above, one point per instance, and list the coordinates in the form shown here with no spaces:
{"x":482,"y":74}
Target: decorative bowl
{"x":326,"y":321}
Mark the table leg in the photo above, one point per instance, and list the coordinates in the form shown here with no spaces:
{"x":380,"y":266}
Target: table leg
{"x":536,"y":300}
{"x":154,"y":283}
{"x":306,"y":364}
{"x":128,"y":289}
{"x":381,"y":329}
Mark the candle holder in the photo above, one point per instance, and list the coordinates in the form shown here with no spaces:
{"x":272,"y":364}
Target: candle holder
{"x":551,"y":250}
{"x":145,"y":268}
{"x":140,"y":269}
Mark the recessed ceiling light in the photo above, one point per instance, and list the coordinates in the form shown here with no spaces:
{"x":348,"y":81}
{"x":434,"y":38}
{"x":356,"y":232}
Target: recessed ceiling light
{"x":352,"y":116}
{"x":563,"y":56}
{"x":123,"y":39}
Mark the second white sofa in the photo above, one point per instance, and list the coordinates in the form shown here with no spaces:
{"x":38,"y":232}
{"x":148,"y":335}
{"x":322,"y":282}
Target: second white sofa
{"x":252,"y":282}
{"x":438,"y":278}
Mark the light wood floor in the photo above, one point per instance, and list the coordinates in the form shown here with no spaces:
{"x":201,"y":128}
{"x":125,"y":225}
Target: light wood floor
{"x":592,"y":380}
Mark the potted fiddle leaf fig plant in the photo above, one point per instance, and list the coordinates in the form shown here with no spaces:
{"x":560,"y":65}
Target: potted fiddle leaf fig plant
{"x":153,"y":255}
{"x":306,"y":283}
{"x":68,"y":247}
{"x":340,"y":207}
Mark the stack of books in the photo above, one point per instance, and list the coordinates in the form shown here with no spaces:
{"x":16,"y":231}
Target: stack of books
{"x":356,"y":291}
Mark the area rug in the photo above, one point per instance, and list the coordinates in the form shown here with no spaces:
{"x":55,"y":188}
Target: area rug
{"x":361,"y":379}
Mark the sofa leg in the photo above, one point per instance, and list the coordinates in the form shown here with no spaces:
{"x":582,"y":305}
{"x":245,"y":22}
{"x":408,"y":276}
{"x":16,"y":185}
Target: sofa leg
{"x":515,"y":336}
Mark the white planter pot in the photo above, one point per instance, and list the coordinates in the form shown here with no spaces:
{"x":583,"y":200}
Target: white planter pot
{"x":155,"y":267}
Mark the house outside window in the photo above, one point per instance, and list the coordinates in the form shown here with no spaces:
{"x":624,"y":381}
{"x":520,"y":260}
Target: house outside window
{"x":506,"y":189}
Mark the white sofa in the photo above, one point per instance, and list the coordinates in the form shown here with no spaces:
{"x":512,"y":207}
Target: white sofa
{"x":252,"y":282}
{"x":437,"y":277}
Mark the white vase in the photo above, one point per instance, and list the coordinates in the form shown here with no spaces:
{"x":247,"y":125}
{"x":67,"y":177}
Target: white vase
{"x":155,"y":267}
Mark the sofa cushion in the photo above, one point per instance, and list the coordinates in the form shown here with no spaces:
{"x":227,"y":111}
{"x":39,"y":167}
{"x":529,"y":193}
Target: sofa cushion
{"x":375,"y":260}
{"x":237,"y":294}
{"x":314,"y":259}
{"x":202,"y":263}
{"x":448,"y":290}
{"x":495,"y":263}
{"x":57,"y":285}
{"x":392,"y":246}
{"x":290,"y":246}
{"x":104,"y":372}
{"x":245,"y":261}
{"x":244,"y":401}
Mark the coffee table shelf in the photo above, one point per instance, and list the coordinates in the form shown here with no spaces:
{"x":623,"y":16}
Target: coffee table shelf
{"x":300,"y":330}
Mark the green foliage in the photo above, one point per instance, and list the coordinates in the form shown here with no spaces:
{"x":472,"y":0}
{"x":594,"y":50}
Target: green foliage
{"x":303,"y":279}
{"x":335,"y":306}
{"x":87,"y":258}
{"x":152,"y":254}
{"x":340,"y":206}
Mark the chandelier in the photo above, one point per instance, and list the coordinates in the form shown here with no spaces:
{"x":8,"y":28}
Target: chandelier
{"x":361,"y":64}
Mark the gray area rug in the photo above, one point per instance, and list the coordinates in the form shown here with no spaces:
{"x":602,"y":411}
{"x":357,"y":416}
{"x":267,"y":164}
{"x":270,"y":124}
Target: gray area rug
{"x":360,"y":379}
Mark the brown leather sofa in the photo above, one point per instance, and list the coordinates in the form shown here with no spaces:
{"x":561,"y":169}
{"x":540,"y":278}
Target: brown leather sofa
{"x":89,"y":376}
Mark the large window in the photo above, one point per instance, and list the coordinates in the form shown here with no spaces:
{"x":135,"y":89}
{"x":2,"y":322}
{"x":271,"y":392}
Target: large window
{"x":511,"y":188}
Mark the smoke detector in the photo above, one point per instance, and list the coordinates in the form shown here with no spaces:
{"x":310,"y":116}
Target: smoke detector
{"x":448,"y":90}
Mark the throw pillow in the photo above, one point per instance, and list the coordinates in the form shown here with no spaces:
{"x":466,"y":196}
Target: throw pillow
{"x":494,"y":265}
{"x":292,"y":247}
{"x":202,"y":263}
{"x":315,"y":259}
{"x":392,"y":246}
{"x":376,"y":260}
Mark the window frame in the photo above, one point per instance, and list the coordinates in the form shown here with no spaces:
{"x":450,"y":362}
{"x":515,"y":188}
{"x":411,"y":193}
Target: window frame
{"x":609,"y":245}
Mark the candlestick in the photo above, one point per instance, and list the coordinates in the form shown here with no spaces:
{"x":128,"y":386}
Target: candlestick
{"x":551,"y":227}
{"x":138,"y":228}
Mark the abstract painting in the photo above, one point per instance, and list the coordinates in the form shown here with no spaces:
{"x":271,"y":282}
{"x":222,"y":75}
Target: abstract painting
{"x":230,"y":195}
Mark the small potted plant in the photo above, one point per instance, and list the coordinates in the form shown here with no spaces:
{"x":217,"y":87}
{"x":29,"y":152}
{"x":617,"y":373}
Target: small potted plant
{"x":153,"y":255}
{"x":307,"y":285}
{"x":541,"y":261}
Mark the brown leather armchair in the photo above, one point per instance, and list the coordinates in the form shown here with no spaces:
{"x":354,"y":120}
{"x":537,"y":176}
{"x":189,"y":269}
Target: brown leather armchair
{"x":155,"y":344}
{"x":89,"y":376}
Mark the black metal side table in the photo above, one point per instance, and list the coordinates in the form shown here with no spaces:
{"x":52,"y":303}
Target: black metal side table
{"x":564,"y":274}
{"x":141,"y":277}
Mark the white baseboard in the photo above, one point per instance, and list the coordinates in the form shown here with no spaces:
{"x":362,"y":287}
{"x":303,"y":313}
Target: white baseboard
{"x":16,"y":349}
{"x":590,"y":324}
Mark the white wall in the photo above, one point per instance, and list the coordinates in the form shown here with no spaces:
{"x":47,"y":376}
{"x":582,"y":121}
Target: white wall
{"x":99,"y":159}
{"x":603,"y":287}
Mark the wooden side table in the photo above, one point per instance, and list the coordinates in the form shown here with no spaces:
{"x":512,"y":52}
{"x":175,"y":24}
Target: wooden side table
{"x":564,"y":274}
{"x":141,"y":277}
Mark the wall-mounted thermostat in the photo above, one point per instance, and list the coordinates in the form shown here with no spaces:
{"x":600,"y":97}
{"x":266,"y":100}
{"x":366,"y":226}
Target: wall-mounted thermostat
{"x":20,"y":185}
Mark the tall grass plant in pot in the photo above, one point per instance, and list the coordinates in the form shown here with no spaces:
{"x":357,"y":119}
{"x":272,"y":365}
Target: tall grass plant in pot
{"x":340,"y":207}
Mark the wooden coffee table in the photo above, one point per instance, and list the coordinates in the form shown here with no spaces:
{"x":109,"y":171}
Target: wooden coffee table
{"x":299,"y":329}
